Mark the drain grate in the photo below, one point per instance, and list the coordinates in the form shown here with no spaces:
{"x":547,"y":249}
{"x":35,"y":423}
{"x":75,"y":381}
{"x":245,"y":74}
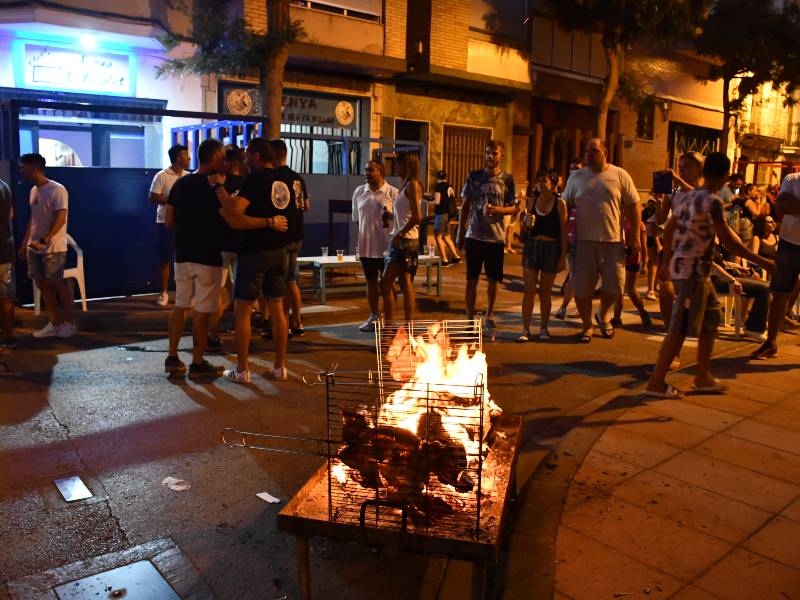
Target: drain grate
{"x":136,"y":581}
{"x":73,"y":488}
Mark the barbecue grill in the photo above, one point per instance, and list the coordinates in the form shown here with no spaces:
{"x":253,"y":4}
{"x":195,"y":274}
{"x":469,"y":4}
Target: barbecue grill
{"x":418,"y":457}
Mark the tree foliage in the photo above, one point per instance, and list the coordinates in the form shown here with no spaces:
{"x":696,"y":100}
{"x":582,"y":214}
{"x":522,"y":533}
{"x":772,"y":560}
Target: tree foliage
{"x":226,"y":45}
{"x":750,"y":43}
{"x":623,"y":23}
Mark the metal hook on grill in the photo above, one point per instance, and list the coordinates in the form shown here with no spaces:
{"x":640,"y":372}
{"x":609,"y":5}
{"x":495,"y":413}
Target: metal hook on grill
{"x":315,"y":378}
{"x":234,"y":438}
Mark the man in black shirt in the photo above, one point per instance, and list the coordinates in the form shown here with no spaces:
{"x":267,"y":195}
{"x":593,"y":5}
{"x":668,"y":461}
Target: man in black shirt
{"x":260,"y":210}
{"x":444,"y":201}
{"x":193,"y":213}
{"x":301,"y":203}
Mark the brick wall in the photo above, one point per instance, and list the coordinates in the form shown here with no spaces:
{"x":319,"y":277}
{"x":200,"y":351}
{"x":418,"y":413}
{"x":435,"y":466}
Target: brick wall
{"x":449,"y":33}
{"x":255,"y":14}
{"x":519,"y":160}
{"x":395,"y":28}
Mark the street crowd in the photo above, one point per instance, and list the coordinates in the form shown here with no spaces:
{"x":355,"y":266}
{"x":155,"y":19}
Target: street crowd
{"x":231,"y":231}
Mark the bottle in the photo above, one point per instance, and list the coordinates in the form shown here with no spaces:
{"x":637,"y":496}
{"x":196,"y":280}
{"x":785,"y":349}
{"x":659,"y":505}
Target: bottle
{"x":385,"y":217}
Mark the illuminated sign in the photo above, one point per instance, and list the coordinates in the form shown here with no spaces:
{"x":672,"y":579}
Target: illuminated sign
{"x":56,"y":68}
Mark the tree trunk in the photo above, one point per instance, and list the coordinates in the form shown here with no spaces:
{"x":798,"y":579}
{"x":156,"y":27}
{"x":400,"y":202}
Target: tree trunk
{"x":609,"y":89}
{"x":271,"y":76}
{"x":726,"y":115}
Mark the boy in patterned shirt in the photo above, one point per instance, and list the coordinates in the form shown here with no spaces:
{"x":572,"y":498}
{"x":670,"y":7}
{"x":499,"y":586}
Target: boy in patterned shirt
{"x":697,"y":217}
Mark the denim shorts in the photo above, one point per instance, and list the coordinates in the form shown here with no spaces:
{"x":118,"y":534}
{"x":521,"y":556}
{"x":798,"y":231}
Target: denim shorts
{"x":261,"y":271}
{"x":46,"y":266}
{"x":405,"y":254}
{"x":441,"y":224}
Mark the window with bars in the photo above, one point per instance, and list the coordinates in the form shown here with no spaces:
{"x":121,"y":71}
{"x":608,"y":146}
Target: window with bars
{"x":464,"y":151}
{"x":645,"y":121}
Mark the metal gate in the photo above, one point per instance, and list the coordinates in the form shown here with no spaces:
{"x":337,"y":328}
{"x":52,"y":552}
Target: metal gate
{"x":690,"y":138}
{"x":464,"y":151}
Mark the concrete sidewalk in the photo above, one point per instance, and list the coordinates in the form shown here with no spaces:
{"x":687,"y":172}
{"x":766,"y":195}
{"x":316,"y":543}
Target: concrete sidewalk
{"x":695,"y":498}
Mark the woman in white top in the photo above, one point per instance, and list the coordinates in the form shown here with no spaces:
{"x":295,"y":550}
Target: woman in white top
{"x":401,"y":264}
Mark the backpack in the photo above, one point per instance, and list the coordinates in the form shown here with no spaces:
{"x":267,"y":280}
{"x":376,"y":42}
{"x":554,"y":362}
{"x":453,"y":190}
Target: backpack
{"x":452,"y":207}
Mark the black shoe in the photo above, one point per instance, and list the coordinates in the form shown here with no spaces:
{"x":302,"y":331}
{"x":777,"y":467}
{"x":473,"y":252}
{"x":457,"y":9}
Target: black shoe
{"x":646,"y":320}
{"x":8,"y":342}
{"x":297,"y":331}
{"x":616,"y":323}
{"x":561,"y":313}
{"x":174,"y":366}
{"x":266,"y":329}
{"x":214,"y":345}
{"x":205,"y":369}
{"x":455,"y":261}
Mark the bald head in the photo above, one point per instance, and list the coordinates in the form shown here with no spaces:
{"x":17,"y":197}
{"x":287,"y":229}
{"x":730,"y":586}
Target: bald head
{"x":596,"y":154}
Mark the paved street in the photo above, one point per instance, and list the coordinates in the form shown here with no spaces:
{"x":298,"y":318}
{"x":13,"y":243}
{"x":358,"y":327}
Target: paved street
{"x":685,"y":494}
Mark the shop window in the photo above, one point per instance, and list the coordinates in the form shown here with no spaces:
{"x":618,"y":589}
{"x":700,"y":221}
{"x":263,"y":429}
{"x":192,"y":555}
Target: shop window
{"x":645,"y":121}
{"x":58,"y":154}
{"x":370,"y":10}
{"x":126,"y":150}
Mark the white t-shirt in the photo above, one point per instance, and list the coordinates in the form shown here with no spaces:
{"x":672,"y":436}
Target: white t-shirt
{"x":45,"y":201}
{"x":599,"y":199}
{"x":790,"y":226}
{"x":373,"y":237}
{"x":162,"y":184}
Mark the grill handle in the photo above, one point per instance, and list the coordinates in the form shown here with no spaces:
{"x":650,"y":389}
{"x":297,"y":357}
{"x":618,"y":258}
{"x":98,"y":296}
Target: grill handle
{"x":267,"y":442}
{"x":387,"y":504}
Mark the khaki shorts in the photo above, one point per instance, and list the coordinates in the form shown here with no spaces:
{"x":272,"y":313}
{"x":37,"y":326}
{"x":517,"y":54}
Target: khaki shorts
{"x":197,"y":282}
{"x":7,"y":281}
{"x":598,"y":260}
{"x":696,"y":308}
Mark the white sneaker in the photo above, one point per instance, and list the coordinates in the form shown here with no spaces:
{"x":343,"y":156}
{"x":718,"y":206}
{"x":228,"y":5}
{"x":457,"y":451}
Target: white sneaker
{"x":651,"y":295}
{"x":66,"y":330}
{"x":755,"y":335}
{"x":47,"y":331}
{"x":369,"y":324}
{"x":236,"y":375}
{"x":163,"y":299}
{"x":525,"y":336}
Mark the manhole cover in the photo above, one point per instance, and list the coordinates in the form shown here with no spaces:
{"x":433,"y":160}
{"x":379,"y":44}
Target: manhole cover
{"x":137,"y":581}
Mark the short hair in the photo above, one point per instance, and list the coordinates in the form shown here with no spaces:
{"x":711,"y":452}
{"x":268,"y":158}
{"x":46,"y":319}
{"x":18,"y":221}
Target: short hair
{"x":441,"y":175}
{"x":261,"y":146}
{"x":717,"y":164}
{"x":496,"y":144}
{"x":206,"y":150}
{"x":378,"y":165}
{"x":279,"y":149}
{"x":550,"y":173}
{"x":601,"y":143}
{"x":748,"y":187}
{"x":737,"y":176}
{"x":695,"y":156}
{"x":35,"y":159}
{"x":175,"y":151}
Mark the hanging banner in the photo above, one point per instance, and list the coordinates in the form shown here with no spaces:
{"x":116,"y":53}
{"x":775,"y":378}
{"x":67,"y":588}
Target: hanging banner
{"x":298,"y":108}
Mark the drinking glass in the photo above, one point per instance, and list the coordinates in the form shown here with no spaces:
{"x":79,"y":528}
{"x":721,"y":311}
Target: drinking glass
{"x":340,"y":255}
{"x":324,"y":251}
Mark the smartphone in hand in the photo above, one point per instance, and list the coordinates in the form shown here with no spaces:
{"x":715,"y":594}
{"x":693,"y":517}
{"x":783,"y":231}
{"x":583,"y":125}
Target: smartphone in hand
{"x":662,"y":182}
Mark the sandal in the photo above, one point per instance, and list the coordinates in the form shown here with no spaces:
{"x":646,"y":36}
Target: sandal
{"x":606,"y":329}
{"x":544,"y":334}
{"x":561,"y":313}
{"x":585,"y":337}
{"x":716,"y":388}
{"x":524,"y":336}
{"x":670,"y":393}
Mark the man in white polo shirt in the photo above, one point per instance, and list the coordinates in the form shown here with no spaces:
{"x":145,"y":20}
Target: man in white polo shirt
{"x":369,"y":202}
{"x":787,"y":263}
{"x":159,"y":193}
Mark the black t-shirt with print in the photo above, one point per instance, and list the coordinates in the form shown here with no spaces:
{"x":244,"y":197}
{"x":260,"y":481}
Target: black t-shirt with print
{"x":269,"y":197}
{"x":6,"y":230}
{"x":442,"y":188}
{"x":297,"y":206}
{"x":198,"y":224}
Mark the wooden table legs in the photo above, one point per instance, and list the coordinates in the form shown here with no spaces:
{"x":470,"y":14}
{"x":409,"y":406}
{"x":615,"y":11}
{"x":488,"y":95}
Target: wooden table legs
{"x":303,"y":568}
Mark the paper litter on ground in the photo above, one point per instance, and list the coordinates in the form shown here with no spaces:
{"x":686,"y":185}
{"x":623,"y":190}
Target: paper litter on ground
{"x":179,"y":485}
{"x":267,"y":497}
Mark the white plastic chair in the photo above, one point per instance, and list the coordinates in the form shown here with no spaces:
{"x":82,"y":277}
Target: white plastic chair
{"x":75,"y":273}
{"x":733,"y":313}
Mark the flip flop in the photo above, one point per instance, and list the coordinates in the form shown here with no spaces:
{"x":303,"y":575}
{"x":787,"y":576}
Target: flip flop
{"x":717,"y":388}
{"x":606,"y":329}
{"x":670,"y":393}
{"x":585,"y":338}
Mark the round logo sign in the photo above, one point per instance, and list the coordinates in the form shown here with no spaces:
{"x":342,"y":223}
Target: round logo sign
{"x":345,"y":113}
{"x":239,"y":102}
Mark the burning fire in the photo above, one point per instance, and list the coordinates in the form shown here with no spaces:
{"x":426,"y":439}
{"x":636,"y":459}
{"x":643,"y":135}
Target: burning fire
{"x":443,"y":390}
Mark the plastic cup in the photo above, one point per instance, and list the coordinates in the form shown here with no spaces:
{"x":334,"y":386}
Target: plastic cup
{"x":340,"y":255}
{"x":324,"y":251}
